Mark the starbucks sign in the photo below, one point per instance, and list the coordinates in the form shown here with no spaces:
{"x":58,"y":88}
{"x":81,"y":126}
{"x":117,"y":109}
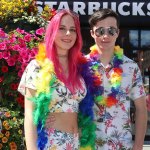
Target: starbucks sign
{"x":132,"y":13}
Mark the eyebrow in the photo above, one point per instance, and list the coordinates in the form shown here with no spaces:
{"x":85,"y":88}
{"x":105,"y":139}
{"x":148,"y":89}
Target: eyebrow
{"x":70,"y":27}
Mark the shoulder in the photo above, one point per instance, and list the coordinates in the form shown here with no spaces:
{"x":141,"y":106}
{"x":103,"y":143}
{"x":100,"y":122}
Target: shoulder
{"x":129,"y":62}
{"x":33,"y":65}
{"x":130,"y":67}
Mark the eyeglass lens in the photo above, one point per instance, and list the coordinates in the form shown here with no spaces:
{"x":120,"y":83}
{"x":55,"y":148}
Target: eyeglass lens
{"x":109,"y":31}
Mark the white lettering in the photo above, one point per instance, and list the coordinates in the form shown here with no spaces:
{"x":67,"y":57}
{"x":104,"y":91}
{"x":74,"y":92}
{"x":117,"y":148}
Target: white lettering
{"x":113,"y":6}
{"x":148,"y":7}
{"x":120,"y":8}
{"x":79,"y":7}
{"x":40,"y":6}
{"x":63,"y":5}
{"x":92,"y":7}
{"x":105,"y":5}
{"x":137,"y":9}
{"x":88,"y":7}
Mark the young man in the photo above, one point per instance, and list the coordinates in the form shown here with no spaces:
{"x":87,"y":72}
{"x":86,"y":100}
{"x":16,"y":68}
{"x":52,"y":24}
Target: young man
{"x":118,"y":81}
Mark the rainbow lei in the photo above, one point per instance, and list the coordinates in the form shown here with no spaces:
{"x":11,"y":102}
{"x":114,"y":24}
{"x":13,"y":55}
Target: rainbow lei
{"x":115,"y":77}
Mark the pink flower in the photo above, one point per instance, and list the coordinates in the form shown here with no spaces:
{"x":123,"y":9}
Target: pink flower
{"x":28,"y":38}
{"x":20,"y":31}
{"x":6,"y":54}
{"x":16,"y":47}
{"x":40,"y":31}
{"x":25,"y":55}
{"x":11,"y":61}
{"x":2,"y":33}
{"x":12,"y":40}
{"x":33,"y":53}
{"x":20,"y":72}
{"x":2,"y":46}
{"x":23,"y":66}
{"x":21,"y":42}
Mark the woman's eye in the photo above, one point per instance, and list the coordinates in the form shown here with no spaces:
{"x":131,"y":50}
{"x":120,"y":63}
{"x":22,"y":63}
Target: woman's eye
{"x":72,"y":30}
{"x":61,"y":28}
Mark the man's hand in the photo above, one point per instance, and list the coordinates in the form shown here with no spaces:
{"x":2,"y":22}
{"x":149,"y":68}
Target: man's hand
{"x":50,"y":121}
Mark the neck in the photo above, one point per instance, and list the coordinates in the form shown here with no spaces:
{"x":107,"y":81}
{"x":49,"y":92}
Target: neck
{"x":64,"y":64}
{"x":106,"y":56}
{"x":63,"y":60}
{"x":62,"y":55}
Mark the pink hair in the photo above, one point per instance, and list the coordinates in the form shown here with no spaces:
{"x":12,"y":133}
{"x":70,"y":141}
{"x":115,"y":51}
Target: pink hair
{"x":73,"y":55}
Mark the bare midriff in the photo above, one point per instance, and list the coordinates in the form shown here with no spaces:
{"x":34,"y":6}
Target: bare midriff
{"x":65,"y":122}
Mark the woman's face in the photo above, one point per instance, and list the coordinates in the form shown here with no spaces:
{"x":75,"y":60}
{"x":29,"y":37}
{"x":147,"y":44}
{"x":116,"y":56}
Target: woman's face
{"x":66,"y":35}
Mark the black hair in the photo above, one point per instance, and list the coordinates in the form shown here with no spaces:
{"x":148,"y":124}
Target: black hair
{"x":101,"y":14}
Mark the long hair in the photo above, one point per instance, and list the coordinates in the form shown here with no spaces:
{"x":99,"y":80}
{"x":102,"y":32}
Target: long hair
{"x":73,"y":80}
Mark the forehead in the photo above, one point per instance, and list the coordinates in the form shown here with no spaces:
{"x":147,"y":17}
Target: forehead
{"x":67,"y":20}
{"x":107,"y":22}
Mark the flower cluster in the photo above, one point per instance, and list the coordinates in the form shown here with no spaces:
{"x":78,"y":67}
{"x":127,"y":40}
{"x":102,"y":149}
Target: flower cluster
{"x":15,"y":8}
{"x":47,"y":13}
{"x":11,"y":130}
{"x":39,"y":19}
{"x":22,"y":28}
{"x":17,"y":49}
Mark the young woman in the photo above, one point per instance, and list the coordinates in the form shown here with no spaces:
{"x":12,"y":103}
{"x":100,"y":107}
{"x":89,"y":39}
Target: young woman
{"x":53,"y":86}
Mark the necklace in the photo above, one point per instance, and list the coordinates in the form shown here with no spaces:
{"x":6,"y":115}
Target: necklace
{"x":115,"y":77}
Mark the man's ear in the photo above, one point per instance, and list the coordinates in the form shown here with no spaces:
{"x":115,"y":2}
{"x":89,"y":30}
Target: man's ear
{"x":118,"y":32}
{"x":92,"y":33}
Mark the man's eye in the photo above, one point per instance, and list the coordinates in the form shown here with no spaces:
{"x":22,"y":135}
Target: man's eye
{"x":112,"y":31}
{"x":101,"y":31}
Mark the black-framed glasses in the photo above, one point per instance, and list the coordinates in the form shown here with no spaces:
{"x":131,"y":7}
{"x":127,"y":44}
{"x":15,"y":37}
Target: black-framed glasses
{"x":107,"y":30}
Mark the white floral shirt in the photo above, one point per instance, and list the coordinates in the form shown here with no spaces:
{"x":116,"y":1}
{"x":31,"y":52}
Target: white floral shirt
{"x":62,"y":98}
{"x":113,"y":124}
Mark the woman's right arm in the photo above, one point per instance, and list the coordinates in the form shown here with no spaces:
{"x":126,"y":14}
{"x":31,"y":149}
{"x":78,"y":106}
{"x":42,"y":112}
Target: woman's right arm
{"x":29,"y":127}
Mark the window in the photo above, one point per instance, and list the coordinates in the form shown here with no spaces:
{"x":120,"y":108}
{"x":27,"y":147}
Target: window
{"x":145,"y":38}
{"x":134,"y":38}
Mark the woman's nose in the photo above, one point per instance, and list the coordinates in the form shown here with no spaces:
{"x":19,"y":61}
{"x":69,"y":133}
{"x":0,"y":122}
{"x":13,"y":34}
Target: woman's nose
{"x":67,"y":32}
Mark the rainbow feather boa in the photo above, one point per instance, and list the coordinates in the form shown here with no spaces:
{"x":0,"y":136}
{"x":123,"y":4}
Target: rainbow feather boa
{"x":43,"y":98}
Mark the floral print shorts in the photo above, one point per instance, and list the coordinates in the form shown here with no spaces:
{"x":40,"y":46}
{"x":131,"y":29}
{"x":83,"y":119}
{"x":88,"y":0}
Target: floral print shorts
{"x":58,"y":140}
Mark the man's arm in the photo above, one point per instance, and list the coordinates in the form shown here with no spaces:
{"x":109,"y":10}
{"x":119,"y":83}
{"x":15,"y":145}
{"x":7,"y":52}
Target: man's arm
{"x":140,"y":122}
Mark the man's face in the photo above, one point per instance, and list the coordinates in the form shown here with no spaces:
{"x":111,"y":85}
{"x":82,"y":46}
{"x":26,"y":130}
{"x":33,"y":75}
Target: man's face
{"x":105,"y":33}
